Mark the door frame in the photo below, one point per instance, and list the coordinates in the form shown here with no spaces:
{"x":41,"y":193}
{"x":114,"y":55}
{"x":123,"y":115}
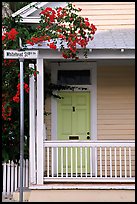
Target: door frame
{"x":55,"y":66}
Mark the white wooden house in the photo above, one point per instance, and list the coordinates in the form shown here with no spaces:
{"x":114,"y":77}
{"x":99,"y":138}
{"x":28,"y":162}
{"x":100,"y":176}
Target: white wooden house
{"x":87,"y":142}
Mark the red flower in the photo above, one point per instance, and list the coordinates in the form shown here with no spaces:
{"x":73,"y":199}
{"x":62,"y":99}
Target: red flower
{"x":61,"y":36}
{"x":18,"y":86}
{"x":16,"y":99}
{"x":49,"y":12}
{"x":93,"y":29}
{"x":12,"y":34}
{"x":87,"y":23}
{"x":35,"y":39}
{"x":52,"y":46}
{"x":48,"y":9}
{"x":29,"y":42}
{"x":35,"y":74}
{"x":64,"y":55}
{"x":38,"y":27}
{"x":25,"y":86}
{"x":3,"y":37}
{"x":6,"y":111}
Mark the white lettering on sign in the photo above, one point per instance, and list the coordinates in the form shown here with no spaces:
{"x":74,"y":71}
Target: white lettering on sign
{"x":14,"y":54}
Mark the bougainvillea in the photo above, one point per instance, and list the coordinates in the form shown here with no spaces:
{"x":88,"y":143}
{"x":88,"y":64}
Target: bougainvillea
{"x":66,"y":25}
{"x":11,"y":91}
{"x":61,"y":29}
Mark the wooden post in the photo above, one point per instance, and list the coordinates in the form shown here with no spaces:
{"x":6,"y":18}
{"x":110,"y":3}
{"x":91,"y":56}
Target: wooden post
{"x":40,"y":120}
{"x":32,"y":122}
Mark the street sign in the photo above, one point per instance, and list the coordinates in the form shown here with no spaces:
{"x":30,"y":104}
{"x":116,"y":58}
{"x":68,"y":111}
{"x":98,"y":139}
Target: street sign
{"x":15,"y":54}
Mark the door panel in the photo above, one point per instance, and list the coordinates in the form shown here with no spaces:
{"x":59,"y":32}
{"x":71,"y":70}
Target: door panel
{"x":73,"y":119}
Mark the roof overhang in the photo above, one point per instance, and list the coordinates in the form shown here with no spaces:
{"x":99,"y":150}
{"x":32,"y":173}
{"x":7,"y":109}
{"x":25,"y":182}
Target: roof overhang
{"x":107,"y":44}
{"x":112,"y":44}
{"x":94,"y":54}
{"x":31,"y":9}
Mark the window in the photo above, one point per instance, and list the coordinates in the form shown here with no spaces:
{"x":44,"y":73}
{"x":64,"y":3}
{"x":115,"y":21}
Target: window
{"x":74,"y":77}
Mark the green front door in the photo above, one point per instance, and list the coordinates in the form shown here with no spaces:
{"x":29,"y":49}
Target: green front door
{"x":73,"y":124}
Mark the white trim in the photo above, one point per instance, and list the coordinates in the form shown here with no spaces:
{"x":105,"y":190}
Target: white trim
{"x":87,"y":186}
{"x":89,"y":143}
{"x":90,"y":66}
{"x":94,"y":103}
{"x":40,"y":121}
{"x":53,"y":107}
{"x":31,"y":10}
{"x":99,"y":180}
{"x":23,"y":9}
{"x":27,"y":10}
{"x":32,"y":130}
{"x":30,"y":20}
{"x":94,"y":55}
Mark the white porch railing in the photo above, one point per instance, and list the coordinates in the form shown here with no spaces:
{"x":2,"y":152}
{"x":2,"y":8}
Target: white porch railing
{"x":90,"y":161}
{"x":11,"y":177}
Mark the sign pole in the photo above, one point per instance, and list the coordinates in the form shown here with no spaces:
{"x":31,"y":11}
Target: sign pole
{"x":21,"y":127}
{"x":21,"y":55}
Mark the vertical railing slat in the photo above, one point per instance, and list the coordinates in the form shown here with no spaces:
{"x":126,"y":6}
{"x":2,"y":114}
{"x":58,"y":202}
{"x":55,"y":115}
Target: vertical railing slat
{"x":47,"y":161}
{"x":91,"y":162}
{"x":130,"y":174}
{"x":86,"y":160}
{"x":76,"y":151}
{"x":62,"y":162}
{"x":16,"y":176}
{"x":81,"y":161}
{"x":8,"y":178}
{"x":120,"y":162}
{"x":96,"y":169}
{"x":71,"y":156}
{"x":52,"y":162}
{"x":101,"y":162}
{"x":4,"y":178}
{"x":12,"y":177}
{"x":66,"y":161}
{"x":125,"y":156}
{"x":105,"y":162}
{"x":57,"y":161}
{"x":24,"y":173}
{"x":110,"y":162}
{"x":27,"y":173}
{"x":115,"y":162}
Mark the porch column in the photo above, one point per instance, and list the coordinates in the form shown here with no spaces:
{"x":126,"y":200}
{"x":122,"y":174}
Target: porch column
{"x":32,"y":130}
{"x":40,"y":120}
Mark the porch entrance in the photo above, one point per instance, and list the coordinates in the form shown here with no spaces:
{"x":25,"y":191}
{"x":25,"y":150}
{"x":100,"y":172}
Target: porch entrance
{"x":74,"y":125}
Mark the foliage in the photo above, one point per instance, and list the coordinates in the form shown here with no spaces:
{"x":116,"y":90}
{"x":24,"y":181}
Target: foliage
{"x":59,"y":23}
{"x":11,"y":92}
{"x":66,"y":25}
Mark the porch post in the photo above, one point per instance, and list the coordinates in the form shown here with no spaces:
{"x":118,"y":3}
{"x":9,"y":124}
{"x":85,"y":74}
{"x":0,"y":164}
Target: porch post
{"x":32,"y":130}
{"x":40,"y":120}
